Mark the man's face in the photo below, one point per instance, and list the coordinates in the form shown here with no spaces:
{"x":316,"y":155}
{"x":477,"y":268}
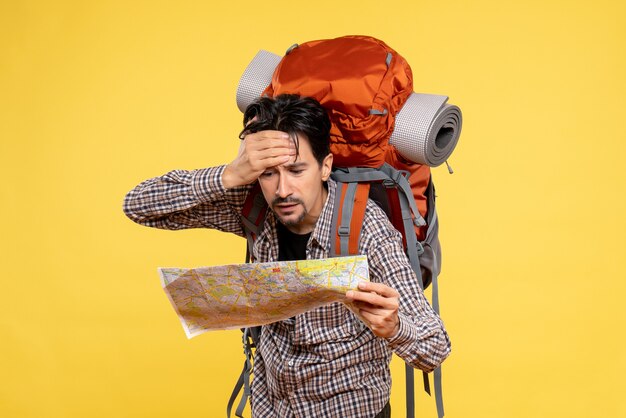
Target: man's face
{"x":295,"y":190}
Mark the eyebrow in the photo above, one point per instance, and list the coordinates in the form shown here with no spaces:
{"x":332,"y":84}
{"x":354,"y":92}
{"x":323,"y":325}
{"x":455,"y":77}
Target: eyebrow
{"x":298,"y":164}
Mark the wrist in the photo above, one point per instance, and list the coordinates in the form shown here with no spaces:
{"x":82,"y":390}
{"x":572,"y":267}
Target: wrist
{"x":396,"y":329}
{"x":229,"y":178}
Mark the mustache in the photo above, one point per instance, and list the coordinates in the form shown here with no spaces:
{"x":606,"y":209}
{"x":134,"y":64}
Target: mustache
{"x":288,"y":199}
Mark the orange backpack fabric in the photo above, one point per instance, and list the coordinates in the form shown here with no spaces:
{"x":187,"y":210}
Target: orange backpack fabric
{"x":363,"y":84}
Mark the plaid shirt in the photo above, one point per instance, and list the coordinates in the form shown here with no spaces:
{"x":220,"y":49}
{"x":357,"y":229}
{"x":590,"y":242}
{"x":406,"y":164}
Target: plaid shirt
{"x":325,"y":362}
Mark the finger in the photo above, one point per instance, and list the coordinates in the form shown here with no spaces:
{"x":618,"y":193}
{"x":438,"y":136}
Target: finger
{"x":274,"y":143}
{"x":380,"y":288}
{"x":269,"y":138}
{"x":373,"y":299}
{"x":269,"y":157}
{"x":271,"y":148}
{"x":262,"y":161}
{"x":270,"y":162}
{"x":276,"y":152}
{"x":375,"y":318}
{"x":373,"y":310}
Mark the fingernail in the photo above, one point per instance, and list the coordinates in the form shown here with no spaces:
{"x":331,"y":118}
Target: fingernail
{"x":349,"y":294}
{"x":362,"y":285}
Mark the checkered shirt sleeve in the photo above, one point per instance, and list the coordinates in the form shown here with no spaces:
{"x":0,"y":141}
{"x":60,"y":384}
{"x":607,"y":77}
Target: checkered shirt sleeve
{"x":422,"y":340}
{"x":184,"y":199}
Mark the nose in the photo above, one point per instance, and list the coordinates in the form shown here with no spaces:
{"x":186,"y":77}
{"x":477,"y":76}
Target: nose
{"x":283,"y":189}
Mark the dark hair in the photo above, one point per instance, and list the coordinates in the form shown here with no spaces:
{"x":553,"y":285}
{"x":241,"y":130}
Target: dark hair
{"x":292,"y":114}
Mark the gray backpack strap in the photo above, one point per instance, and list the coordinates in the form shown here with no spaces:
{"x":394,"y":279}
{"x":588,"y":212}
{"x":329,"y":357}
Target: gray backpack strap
{"x":350,"y":176}
{"x":413,"y":247}
{"x":244,"y":377}
{"x":433,"y":242}
{"x":346,"y":217}
{"x":385,"y":173}
{"x":410,"y":391}
{"x":347,"y":227}
{"x":356,"y":174}
{"x":334,"y":252}
{"x":437,"y":372}
{"x":414,"y":250}
{"x":403,"y":184}
{"x":236,"y":390}
{"x":438,"y":393}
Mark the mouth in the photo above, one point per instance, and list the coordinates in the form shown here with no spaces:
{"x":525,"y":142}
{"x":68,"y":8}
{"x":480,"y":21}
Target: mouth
{"x":286,"y":208}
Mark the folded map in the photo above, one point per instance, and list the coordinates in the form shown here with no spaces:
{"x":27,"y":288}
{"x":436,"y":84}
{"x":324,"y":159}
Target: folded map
{"x":244,"y":295}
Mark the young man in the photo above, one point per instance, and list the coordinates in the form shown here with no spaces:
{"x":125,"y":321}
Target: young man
{"x":332,"y":361}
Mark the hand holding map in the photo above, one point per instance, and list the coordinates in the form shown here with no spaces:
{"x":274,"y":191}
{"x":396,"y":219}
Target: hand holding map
{"x":245,"y":295}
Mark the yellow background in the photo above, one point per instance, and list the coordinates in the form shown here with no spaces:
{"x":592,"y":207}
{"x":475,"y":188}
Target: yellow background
{"x":96,"y":96}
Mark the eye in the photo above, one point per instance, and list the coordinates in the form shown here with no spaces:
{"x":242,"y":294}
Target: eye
{"x":267,"y":174}
{"x":296,"y":171}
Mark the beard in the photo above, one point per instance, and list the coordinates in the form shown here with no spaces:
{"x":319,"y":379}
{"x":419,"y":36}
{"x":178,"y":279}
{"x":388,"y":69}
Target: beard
{"x":292,"y":200}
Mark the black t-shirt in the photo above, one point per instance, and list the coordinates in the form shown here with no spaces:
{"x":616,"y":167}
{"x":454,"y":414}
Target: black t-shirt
{"x":291,"y":246}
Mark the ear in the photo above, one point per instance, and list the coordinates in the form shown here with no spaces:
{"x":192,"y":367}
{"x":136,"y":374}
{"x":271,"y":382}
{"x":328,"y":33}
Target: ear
{"x":327,"y":166}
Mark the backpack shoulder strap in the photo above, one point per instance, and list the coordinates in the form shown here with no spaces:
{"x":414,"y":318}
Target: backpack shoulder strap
{"x":348,"y":214}
{"x":347,"y":223}
{"x":250,"y":338}
{"x":252,"y":216}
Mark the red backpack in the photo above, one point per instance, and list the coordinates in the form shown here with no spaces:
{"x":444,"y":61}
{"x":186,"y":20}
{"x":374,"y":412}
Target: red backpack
{"x":367,"y":89}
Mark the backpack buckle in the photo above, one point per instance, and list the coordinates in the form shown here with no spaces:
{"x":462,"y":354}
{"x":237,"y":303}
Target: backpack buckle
{"x":420,"y":248}
{"x":343,"y":231}
{"x":389,"y":183}
{"x":394,"y":178}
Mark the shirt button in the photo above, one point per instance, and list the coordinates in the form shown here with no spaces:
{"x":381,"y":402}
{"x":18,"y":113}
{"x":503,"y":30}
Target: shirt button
{"x":290,"y":363}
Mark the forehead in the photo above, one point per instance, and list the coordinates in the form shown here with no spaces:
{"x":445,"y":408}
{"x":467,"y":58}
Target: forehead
{"x":305,"y":153}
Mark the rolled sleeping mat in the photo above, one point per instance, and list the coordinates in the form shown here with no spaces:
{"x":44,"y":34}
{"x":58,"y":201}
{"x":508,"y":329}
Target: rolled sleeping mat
{"x":256,"y":78}
{"x":426,"y":129}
